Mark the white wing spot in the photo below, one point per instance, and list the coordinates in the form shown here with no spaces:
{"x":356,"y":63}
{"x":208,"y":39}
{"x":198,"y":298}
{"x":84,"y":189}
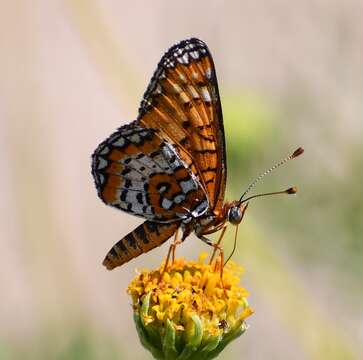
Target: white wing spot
{"x":186,"y":58}
{"x":131,"y":198}
{"x":101,"y":178}
{"x":162,"y":189}
{"x":194,"y":55}
{"x":143,"y":133}
{"x":201,"y":208}
{"x":208,"y":73}
{"x":119,"y":143}
{"x":105,"y":150}
{"x":187,"y":185}
{"x":158,"y":89}
{"x":135,"y":138}
{"x":193,"y":92}
{"x":179,"y":198}
{"x":205,"y":94}
{"x":114,"y":137}
{"x":101,"y":163}
{"x":166,"y":204}
{"x":137,"y":208}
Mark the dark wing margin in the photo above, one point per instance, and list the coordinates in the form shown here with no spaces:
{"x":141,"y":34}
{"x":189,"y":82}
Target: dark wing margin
{"x":182,"y":101}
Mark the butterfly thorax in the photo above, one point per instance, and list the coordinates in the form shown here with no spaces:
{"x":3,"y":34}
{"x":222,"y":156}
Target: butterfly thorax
{"x":210,"y":222}
{"x":214,"y":220}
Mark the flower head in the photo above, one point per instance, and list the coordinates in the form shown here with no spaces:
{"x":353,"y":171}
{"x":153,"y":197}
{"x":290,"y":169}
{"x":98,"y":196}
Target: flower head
{"x":185,"y":312}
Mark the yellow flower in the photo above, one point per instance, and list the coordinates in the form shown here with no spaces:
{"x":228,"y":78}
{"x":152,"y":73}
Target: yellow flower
{"x":185,"y":312}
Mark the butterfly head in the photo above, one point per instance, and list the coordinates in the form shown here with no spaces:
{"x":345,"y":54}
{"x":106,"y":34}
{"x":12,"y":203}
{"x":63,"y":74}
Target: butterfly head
{"x":236,"y":212}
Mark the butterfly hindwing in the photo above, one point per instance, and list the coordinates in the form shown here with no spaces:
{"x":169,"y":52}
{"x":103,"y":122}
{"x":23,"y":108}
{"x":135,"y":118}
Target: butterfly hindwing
{"x":182,"y":100}
{"x":139,"y":172}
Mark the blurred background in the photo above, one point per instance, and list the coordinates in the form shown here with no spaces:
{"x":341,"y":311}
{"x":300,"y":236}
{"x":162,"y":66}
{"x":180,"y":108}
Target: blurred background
{"x":290,"y":74}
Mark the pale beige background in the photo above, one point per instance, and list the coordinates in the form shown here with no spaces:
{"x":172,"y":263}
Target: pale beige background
{"x":73,"y":71}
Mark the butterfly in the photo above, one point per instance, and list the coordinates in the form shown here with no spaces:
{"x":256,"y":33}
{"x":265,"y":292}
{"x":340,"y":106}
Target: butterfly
{"x":169,"y":165}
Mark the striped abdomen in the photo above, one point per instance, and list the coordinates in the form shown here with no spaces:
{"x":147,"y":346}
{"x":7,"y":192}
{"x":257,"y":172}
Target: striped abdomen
{"x":143,"y":239}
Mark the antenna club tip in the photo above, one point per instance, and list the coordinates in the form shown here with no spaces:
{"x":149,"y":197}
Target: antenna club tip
{"x":297,"y":152}
{"x":292,"y":190}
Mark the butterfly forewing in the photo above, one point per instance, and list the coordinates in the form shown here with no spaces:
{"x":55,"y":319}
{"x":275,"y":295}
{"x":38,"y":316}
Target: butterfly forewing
{"x":182,"y":101}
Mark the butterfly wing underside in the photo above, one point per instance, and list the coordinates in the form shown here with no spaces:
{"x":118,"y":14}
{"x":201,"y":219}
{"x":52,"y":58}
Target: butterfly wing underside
{"x":139,"y":172}
{"x":182,"y":100}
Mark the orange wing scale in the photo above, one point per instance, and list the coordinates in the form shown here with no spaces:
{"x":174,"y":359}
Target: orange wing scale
{"x":185,"y":106}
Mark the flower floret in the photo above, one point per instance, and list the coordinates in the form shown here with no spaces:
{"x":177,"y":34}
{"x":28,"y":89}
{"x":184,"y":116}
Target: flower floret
{"x":186,"y":311}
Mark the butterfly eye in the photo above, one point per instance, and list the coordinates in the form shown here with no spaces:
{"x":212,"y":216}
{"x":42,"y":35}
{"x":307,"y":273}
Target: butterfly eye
{"x":235,"y":215}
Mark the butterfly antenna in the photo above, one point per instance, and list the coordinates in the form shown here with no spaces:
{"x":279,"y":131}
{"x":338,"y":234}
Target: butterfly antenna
{"x":234,"y":246}
{"x":294,"y":155}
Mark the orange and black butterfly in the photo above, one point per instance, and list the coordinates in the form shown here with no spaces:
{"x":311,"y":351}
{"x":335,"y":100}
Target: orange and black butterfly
{"x":169,"y":165}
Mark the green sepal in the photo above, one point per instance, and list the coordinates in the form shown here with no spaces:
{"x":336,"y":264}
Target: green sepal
{"x":233,"y":334}
{"x":193,"y":344}
{"x":153,"y":334}
{"x":144,"y":338}
{"x":169,"y":349}
{"x":210,"y":345}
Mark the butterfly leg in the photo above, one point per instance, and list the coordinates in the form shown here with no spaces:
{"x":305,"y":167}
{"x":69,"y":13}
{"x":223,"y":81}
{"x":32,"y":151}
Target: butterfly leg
{"x":218,"y":244}
{"x":175,"y":243}
{"x":171,"y":251}
{"x":217,"y":247}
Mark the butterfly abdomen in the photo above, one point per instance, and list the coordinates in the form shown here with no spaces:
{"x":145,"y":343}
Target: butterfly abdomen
{"x":144,"y":238}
